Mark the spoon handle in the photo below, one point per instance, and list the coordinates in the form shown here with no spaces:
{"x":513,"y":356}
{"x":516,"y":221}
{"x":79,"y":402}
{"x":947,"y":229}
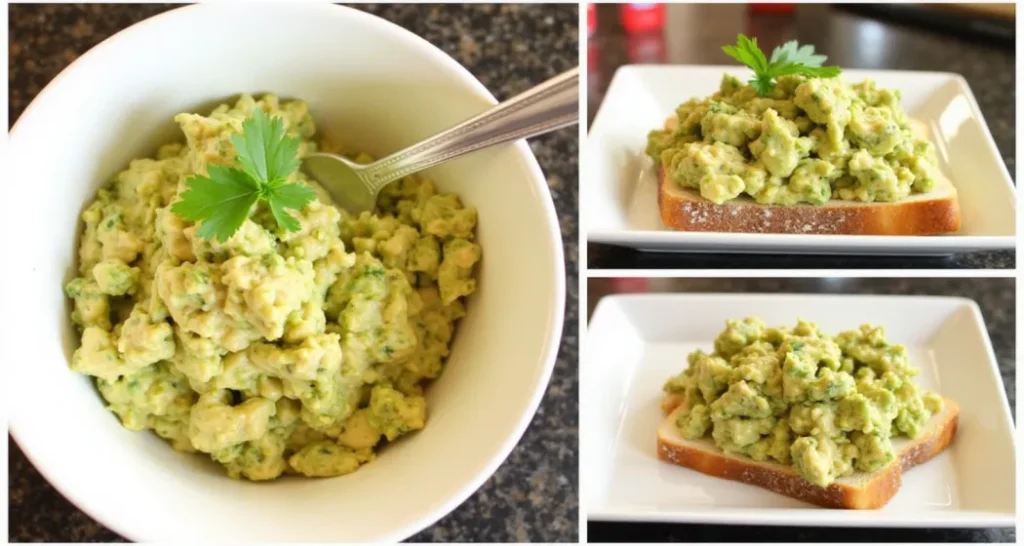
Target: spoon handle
{"x":551,"y":105}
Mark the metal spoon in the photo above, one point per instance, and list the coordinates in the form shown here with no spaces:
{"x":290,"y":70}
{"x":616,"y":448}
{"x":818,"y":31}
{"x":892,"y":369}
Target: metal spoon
{"x":548,"y":106}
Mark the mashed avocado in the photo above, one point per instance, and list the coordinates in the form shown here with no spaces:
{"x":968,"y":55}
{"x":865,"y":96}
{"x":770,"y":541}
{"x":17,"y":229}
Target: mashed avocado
{"x":274,"y":351}
{"x":811,"y":140}
{"x":828,"y":406}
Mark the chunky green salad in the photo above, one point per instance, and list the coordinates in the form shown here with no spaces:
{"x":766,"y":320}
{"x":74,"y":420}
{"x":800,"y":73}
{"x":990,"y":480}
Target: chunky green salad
{"x":794,"y":134}
{"x":828,"y":406}
{"x":225,"y":304}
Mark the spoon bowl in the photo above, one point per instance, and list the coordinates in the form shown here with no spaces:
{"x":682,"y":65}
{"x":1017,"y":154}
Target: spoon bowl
{"x":342,"y":180}
{"x":546,"y":107}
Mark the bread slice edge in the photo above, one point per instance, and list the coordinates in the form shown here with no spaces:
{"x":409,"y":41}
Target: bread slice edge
{"x":684,"y":209}
{"x":859,"y":491}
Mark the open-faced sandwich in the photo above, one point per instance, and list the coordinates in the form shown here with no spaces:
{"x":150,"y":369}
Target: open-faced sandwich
{"x":830,"y":420}
{"x":797,"y":149}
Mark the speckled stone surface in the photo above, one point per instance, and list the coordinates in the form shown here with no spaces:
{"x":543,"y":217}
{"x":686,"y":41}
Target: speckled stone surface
{"x":534,"y":495}
{"x":995,"y":297}
{"x":851,"y":41}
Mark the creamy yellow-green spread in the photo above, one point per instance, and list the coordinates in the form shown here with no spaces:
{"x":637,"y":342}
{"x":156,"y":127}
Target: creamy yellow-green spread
{"x":275,"y":351}
{"x":828,"y":406}
{"x":811,"y":140}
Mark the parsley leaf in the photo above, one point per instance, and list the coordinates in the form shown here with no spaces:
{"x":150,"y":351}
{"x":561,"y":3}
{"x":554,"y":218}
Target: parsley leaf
{"x":789,"y":58}
{"x":762,"y":84}
{"x":795,"y":53}
{"x":809,"y":71}
{"x":224,"y":198}
{"x":747,"y":52}
{"x":264,"y":151}
{"x":291,"y":195}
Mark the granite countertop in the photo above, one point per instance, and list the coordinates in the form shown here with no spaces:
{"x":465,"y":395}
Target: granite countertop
{"x":696,"y":34}
{"x":997,"y":300}
{"x":534,"y":495}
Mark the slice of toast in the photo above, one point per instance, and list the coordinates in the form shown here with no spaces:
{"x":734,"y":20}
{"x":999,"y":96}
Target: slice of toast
{"x":931,"y":213}
{"x":863,"y":490}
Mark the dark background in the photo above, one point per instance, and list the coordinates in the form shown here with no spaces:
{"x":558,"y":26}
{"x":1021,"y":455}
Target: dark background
{"x":995,"y":297}
{"x":694,"y":34}
{"x":534,"y":495}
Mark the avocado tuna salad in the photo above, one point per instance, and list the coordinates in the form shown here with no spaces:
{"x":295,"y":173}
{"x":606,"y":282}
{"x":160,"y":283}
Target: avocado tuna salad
{"x":809,"y":140}
{"x":297,"y":345}
{"x":828,"y":406}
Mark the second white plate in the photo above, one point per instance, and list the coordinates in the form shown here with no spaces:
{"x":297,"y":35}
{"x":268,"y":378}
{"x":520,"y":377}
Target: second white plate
{"x":620,"y":189}
{"x":635,"y":343}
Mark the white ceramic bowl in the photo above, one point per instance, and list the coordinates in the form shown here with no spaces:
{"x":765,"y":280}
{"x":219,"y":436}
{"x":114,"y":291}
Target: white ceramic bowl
{"x":373,"y":86}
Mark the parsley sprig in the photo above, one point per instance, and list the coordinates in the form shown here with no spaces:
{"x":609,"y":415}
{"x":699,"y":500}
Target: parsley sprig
{"x":223,"y":199}
{"x":789,"y":58}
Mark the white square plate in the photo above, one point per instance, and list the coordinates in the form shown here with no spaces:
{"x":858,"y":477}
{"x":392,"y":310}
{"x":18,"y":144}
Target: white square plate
{"x":620,"y":184}
{"x":636,"y":342}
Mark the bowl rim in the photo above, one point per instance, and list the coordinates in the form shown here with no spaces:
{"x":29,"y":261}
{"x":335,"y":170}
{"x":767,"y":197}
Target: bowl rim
{"x":555,"y":312}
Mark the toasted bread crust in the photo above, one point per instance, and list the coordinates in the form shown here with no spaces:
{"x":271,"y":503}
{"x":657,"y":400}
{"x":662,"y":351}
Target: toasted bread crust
{"x":882,"y":486}
{"x":686,"y":210}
